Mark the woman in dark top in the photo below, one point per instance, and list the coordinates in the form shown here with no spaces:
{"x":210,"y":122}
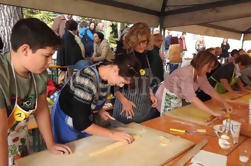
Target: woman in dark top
{"x":134,"y":103}
{"x":225,"y":47}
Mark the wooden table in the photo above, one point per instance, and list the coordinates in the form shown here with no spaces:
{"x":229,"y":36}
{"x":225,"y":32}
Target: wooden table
{"x":164,"y":123}
{"x":240,"y":113}
{"x":233,"y":158}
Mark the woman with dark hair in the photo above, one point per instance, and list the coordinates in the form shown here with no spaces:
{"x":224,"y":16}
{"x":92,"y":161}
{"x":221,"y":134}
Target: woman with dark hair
{"x":92,"y":27}
{"x":228,"y":75}
{"x":183,"y":83}
{"x":102,"y":50}
{"x":86,"y":92}
{"x":136,"y":102}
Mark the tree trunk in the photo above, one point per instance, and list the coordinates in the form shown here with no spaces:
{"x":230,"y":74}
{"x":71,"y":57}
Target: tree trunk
{"x":9,"y":15}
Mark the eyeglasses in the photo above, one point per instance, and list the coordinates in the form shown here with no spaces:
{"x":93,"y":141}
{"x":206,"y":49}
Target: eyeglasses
{"x":18,"y":113}
{"x":143,"y":42}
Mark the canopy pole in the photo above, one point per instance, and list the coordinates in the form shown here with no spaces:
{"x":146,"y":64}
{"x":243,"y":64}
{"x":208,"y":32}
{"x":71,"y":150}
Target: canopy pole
{"x":162,"y":15}
{"x":242,"y":41}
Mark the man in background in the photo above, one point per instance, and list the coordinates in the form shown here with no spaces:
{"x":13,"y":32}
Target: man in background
{"x":58,"y":25}
{"x":100,"y":27}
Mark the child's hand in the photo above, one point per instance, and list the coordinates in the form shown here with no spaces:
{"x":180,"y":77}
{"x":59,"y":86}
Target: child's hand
{"x":122,"y":136}
{"x":105,"y":115}
{"x":60,"y":149}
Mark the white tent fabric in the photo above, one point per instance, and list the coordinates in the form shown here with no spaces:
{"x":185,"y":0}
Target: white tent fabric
{"x":223,"y":18}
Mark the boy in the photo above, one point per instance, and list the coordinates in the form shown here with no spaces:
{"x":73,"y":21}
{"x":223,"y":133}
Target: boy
{"x":23,"y":86}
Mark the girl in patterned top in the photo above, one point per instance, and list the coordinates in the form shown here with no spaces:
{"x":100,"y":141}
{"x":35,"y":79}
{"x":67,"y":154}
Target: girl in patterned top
{"x":72,"y":116}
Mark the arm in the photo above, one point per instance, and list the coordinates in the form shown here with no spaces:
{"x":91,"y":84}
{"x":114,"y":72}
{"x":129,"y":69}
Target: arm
{"x":128,"y":105}
{"x":94,"y":50}
{"x":3,"y":137}
{"x":226,"y":85}
{"x":43,"y":119}
{"x":219,"y":99}
{"x":245,"y":79}
{"x":242,"y":88}
{"x":153,"y":98}
{"x":197,"y":102}
{"x":100,"y":131}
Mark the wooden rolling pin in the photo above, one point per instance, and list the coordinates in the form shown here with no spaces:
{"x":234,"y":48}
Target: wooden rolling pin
{"x":191,"y":153}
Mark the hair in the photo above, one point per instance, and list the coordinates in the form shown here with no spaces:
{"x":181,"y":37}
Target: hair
{"x":234,"y":52}
{"x":100,"y":35}
{"x":241,"y":51}
{"x":71,"y":25}
{"x":128,"y":65}
{"x":244,"y":60}
{"x":203,"y":58}
{"x":83,"y":24}
{"x":94,"y":28}
{"x":211,"y":49}
{"x":134,"y":35}
{"x":224,"y":39}
{"x":33,"y":32}
{"x":218,"y":51}
{"x":174,"y":40}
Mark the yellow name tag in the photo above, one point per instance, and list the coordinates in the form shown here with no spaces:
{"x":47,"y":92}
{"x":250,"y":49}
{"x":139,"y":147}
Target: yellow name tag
{"x":19,"y":115}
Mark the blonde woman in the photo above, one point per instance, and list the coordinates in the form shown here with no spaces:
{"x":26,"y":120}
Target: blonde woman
{"x":135,"y":103}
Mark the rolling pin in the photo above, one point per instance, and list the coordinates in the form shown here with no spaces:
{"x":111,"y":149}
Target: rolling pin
{"x":191,"y":153}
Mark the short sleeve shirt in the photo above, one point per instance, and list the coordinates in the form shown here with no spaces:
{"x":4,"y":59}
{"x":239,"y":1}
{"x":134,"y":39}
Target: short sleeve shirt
{"x":25,"y":86}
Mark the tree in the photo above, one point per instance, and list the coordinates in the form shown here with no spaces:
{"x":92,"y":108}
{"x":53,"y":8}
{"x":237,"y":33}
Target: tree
{"x":45,"y":16}
{"x":9,"y":15}
{"x":117,"y":28}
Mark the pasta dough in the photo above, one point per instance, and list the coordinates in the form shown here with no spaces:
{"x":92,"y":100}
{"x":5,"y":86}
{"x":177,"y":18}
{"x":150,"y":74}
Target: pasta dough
{"x":164,"y":141}
{"x":111,"y":147}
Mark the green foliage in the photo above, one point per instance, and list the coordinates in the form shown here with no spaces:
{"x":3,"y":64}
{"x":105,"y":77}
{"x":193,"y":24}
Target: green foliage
{"x":45,"y":16}
{"x":114,"y":33}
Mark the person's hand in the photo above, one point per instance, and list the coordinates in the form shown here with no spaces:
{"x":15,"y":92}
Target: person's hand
{"x":122,"y":136}
{"x":218,"y":114}
{"x":105,"y":115}
{"x":128,"y":107}
{"x":236,"y":94}
{"x":247,"y":89}
{"x":154,"y":101}
{"x":60,"y":149}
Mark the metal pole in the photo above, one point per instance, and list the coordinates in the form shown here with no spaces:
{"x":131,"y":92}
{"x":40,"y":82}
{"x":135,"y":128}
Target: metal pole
{"x":242,"y":40}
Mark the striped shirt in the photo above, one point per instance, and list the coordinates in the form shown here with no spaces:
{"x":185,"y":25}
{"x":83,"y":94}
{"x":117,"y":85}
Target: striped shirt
{"x":80,"y":97}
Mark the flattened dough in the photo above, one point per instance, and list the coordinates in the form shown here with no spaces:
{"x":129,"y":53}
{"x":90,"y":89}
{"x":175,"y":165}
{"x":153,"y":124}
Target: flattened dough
{"x":164,"y":141}
{"x":111,"y":147}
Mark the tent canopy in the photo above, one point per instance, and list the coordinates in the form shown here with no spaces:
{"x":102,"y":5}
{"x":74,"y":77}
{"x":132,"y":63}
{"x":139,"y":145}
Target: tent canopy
{"x":223,"y":18}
